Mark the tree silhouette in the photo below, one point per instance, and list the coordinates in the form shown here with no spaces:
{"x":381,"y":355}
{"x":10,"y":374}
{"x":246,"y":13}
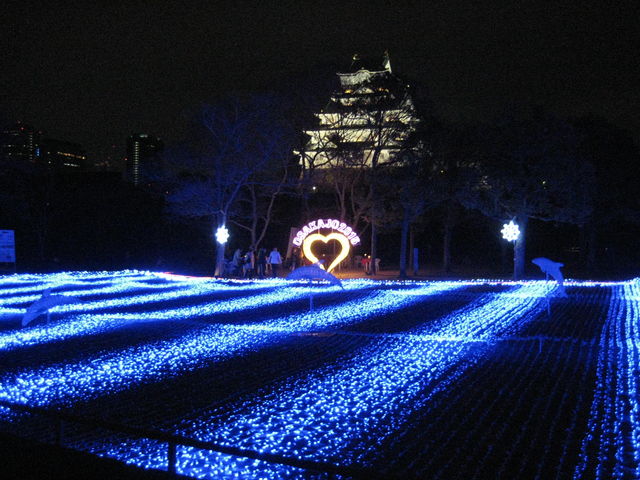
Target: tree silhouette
{"x":613,"y":154}
{"x":239,"y":153}
{"x":530,"y":168}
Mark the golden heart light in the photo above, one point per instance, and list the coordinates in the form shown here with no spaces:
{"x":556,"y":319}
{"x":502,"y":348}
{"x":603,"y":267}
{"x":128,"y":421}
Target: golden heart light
{"x":316,"y":237}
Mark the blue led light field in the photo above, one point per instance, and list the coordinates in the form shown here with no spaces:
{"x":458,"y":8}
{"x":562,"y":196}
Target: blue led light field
{"x":454,"y":379}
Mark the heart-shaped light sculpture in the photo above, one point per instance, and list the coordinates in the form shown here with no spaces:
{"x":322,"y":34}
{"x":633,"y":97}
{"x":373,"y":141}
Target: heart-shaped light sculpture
{"x":316,"y":237}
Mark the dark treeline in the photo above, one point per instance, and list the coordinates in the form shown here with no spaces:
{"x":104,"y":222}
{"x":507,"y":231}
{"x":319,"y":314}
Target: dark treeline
{"x":569,"y":183}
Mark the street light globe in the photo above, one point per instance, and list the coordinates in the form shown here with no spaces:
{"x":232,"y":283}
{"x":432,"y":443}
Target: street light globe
{"x":222,"y":235}
{"x":510,"y":231}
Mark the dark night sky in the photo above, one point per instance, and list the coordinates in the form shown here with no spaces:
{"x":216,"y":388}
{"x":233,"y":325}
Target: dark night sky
{"x":94,"y":74}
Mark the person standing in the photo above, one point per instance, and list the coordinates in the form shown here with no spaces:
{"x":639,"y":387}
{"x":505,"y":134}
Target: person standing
{"x":295,"y":258}
{"x":236,"y":262}
{"x":275,"y":260}
{"x":261,"y":262}
{"x":366,"y":263}
{"x":248,"y":268}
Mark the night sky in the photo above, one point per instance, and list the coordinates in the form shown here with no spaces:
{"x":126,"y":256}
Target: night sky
{"x":95,"y":74}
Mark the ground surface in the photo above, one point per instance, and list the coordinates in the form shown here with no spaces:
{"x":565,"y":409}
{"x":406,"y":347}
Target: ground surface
{"x":451,"y":380}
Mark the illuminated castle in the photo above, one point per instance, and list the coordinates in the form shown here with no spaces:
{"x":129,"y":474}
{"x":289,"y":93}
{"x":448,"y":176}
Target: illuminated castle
{"x":365,"y":122}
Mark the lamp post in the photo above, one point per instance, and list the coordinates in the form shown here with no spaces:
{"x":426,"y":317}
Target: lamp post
{"x":511,"y":232}
{"x":222,"y":235}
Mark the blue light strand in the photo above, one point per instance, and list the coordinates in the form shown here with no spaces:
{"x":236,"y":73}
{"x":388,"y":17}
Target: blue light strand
{"x":126,"y":286}
{"x":8,"y":295}
{"x":353,"y":312}
{"x":45,"y":386}
{"x":476,"y":327}
{"x":614,"y":420}
{"x":633,"y":365}
{"x":204,"y":310}
{"x":85,"y":324}
{"x":171,"y":292}
{"x":319,"y":415}
{"x":113,"y":371}
{"x":67,"y":277}
{"x":617,"y":365}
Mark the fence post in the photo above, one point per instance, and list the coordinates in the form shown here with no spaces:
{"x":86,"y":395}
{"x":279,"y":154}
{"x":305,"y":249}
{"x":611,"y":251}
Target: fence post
{"x":171,"y":458}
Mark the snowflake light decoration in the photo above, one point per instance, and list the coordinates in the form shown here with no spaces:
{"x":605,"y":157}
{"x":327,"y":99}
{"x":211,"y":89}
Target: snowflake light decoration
{"x":222,"y":235}
{"x":510,"y":231}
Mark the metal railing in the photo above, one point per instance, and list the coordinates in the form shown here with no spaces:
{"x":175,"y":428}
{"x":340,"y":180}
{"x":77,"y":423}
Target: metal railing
{"x":173,"y":441}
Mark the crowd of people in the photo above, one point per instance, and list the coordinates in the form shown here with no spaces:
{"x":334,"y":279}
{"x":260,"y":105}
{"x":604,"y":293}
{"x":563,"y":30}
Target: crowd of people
{"x":252,"y":263}
{"x":264,"y":264}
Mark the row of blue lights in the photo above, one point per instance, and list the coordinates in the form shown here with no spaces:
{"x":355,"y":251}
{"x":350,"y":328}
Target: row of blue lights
{"x":66,"y":277}
{"x":111,"y":288}
{"x":114,"y":371}
{"x":343,"y":409}
{"x":122,"y":285}
{"x":86,"y":324}
{"x":338,"y":412}
{"x":611,"y":446}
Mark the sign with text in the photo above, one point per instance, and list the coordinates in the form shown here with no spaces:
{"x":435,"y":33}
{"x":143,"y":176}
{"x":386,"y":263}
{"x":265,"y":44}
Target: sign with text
{"x":329,"y":224}
{"x":7,"y":247}
{"x":339,"y":231}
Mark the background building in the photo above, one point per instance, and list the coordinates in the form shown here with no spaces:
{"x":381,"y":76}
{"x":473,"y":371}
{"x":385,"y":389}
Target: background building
{"x":23,"y":143}
{"x":20,"y":142}
{"x":142,"y":157}
{"x":61,"y":155}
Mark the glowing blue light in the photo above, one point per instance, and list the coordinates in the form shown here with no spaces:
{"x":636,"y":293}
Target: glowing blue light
{"x":365,"y":398}
{"x":222,"y":235}
{"x":611,"y":445}
{"x":510,"y":231}
{"x":115,"y":371}
{"x":337,"y":412}
{"x":351,"y":399}
{"x":82,"y":325}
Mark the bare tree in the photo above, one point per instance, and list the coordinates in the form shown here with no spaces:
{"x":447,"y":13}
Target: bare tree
{"x":530,"y":168}
{"x":613,"y":154}
{"x":256,"y":204}
{"x":242,"y":147}
{"x":451,"y":151}
{"x":407,"y":186}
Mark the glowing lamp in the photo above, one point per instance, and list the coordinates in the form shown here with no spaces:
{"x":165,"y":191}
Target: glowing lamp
{"x":222,"y":235}
{"x":510,"y":231}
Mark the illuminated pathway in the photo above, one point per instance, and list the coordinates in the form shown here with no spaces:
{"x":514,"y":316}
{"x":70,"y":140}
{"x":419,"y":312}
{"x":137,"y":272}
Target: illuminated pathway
{"x":611,"y":447}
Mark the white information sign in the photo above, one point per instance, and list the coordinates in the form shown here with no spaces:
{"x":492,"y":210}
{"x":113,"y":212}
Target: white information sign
{"x":7,"y":247}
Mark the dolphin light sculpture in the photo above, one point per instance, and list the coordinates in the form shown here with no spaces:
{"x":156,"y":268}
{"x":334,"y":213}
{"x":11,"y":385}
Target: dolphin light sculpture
{"x":44,"y":304}
{"x":549,"y":267}
{"x":314,"y":272}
